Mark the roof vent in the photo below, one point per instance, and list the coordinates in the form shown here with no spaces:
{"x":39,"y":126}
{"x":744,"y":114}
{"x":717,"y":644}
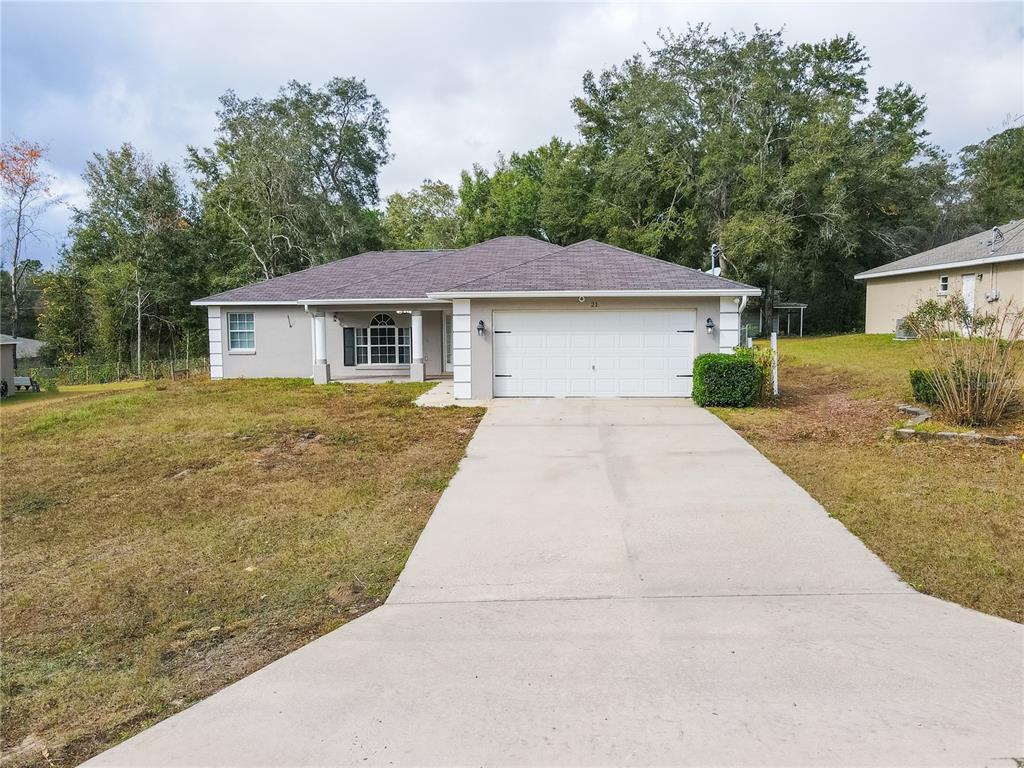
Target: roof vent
{"x":997,"y":237}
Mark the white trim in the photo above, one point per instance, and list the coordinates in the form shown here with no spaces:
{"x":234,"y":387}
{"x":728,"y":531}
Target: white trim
{"x":311,"y":302}
{"x":462,"y":339}
{"x":218,"y":303}
{"x":216,"y":343}
{"x":446,"y":297}
{"x":355,"y":302}
{"x":599,"y":294}
{"x":242,"y":350}
{"x":945,"y":267}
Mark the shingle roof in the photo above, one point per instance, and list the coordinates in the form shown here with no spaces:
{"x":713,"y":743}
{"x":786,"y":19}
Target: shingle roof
{"x":504,"y":264}
{"x":5,"y":339}
{"x":594,"y":266}
{"x":984,"y":245}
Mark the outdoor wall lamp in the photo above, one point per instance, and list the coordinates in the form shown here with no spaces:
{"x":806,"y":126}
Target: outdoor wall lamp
{"x":710,"y":325}
{"x":480,"y":328}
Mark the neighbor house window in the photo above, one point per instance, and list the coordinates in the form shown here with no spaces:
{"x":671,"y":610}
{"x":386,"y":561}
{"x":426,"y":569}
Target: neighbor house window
{"x":944,"y":284}
{"x":383,"y":343}
{"x":241,"y":330}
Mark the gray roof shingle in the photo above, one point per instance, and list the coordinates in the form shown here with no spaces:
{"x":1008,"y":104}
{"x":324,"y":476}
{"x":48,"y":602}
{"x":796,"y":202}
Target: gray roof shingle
{"x":973,"y":248}
{"x":504,"y":264}
{"x":594,"y":266}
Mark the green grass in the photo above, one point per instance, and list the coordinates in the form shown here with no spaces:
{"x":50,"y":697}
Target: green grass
{"x":162,"y":542}
{"x":880,"y":362}
{"x":948,"y":517}
{"x":20,"y":400}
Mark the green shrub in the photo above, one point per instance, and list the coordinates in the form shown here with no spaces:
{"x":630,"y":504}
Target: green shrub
{"x":46,"y":383}
{"x":923,"y":385}
{"x":762,"y":357}
{"x":726,"y":380}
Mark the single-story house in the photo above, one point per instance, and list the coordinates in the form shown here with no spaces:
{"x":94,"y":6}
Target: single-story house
{"x":987,"y":269}
{"x":29,"y":349}
{"x":509,"y":317}
{"x":8,"y":360}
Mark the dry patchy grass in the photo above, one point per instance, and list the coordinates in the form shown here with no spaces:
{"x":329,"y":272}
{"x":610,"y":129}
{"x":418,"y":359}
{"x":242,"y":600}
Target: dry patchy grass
{"x":161,"y":543}
{"x":947,"y":517}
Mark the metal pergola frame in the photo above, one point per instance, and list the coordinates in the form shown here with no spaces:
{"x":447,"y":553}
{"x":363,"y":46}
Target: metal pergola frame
{"x":788,"y":307}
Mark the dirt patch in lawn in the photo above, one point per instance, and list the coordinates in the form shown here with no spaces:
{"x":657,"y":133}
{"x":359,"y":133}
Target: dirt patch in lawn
{"x":161,"y":543}
{"x":947,"y":517}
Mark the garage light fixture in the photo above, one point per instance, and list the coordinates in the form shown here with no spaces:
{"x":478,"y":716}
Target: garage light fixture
{"x":710,"y":325}
{"x":480,"y":328}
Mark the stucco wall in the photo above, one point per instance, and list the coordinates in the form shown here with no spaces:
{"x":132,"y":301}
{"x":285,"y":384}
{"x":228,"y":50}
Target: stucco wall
{"x":890,"y":298}
{"x":284,"y":342}
{"x":7,"y":353}
{"x":481,"y":353}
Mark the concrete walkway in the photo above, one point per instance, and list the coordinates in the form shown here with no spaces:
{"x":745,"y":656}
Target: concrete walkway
{"x":628,"y":581}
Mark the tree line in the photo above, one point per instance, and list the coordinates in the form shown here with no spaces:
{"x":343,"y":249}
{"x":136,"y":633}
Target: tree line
{"x":776,"y":152}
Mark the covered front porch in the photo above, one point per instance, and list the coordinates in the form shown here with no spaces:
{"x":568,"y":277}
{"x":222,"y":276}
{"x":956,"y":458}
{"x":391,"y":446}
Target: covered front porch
{"x":382,"y":342}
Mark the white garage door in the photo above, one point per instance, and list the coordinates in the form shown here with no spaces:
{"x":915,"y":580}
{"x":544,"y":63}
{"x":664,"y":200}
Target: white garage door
{"x":594,"y":353}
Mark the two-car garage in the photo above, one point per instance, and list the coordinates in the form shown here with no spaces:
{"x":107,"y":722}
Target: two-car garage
{"x":593,"y":353}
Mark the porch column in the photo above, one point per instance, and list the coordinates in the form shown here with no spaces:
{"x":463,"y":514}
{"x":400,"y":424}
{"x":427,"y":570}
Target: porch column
{"x":417,"y":371}
{"x":321,"y":368}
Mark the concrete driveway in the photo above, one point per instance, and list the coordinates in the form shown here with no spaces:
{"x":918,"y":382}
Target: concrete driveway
{"x":625,"y":581}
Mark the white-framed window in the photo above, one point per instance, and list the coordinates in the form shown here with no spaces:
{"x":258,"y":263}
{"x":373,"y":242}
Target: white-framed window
{"x":241,"y":331}
{"x":943,"y":285}
{"x":383,"y":343}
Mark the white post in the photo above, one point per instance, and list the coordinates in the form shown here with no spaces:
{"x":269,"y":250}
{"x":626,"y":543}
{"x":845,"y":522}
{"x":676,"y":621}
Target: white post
{"x":321,"y":370}
{"x":417,"y":371}
{"x":775,"y":363}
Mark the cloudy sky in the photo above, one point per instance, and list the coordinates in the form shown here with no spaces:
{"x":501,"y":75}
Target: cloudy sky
{"x":461,"y":81}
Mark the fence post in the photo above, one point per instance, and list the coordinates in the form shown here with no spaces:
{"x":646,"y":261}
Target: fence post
{"x":775,"y":363}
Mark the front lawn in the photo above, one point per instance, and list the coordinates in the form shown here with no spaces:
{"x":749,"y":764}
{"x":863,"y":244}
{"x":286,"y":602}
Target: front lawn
{"x":162,"y":542}
{"x":16,"y":400}
{"x":947,"y":517}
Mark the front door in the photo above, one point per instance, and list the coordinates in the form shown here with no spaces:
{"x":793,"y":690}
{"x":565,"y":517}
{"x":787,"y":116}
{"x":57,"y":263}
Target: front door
{"x":968,"y":292}
{"x":448,"y":338}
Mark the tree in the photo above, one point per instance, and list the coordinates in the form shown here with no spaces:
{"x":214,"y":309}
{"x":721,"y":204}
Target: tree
{"x":426,"y":218}
{"x":66,"y":323}
{"x":993,"y":178}
{"x":26,"y":194}
{"x":29,"y":296}
{"x":134,"y":251}
{"x":288,"y":181}
{"x":774,"y":150}
{"x":540,"y":193}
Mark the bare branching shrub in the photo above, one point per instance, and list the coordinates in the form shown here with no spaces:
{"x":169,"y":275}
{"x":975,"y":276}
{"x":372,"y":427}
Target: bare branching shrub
{"x":975,"y":358}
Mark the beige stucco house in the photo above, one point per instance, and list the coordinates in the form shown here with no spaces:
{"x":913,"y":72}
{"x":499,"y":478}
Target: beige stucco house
{"x":509,"y":317}
{"x":987,"y":269}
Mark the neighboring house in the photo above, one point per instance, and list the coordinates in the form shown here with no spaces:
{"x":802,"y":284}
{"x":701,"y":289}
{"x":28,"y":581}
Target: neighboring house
{"x":987,"y":269}
{"x":8,"y":360}
{"x":29,"y":349}
{"x":510,"y":317}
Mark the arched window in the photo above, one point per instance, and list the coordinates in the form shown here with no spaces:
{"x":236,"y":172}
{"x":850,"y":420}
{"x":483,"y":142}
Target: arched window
{"x":383,"y":343}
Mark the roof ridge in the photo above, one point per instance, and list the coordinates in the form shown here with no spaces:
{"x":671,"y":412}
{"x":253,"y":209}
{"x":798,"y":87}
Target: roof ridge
{"x":511,"y":266}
